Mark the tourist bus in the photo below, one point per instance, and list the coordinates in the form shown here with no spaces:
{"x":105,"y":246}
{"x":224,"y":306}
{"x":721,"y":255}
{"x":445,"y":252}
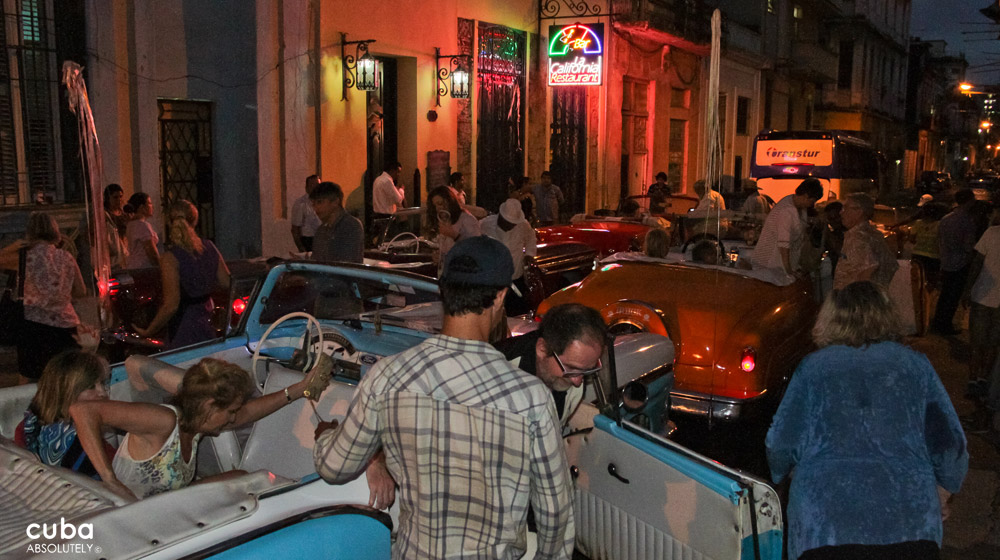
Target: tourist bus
{"x":843,"y":163}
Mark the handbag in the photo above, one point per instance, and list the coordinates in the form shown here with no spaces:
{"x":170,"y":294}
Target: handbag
{"x":12,"y":305}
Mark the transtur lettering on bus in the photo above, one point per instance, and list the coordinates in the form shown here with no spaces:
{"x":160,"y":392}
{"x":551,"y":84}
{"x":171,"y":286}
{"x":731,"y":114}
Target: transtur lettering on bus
{"x":772,"y":153}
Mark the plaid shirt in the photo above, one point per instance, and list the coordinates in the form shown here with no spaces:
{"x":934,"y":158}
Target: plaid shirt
{"x":469,"y":439}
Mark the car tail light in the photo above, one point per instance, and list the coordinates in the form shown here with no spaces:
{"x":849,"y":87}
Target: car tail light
{"x":239,"y":305}
{"x":113,"y":286}
{"x":748,"y":359}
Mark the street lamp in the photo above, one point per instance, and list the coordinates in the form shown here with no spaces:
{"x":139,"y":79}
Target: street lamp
{"x":457,"y":69}
{"x":360,"y":70}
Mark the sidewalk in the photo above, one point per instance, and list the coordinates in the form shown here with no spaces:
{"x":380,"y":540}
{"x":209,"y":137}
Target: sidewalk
{"x":973,"y":530}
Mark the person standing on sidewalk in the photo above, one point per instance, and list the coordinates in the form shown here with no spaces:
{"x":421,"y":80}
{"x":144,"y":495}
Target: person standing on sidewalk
{"x":52,"y":280}
{"x":304,"y":219}
{"x":869,"y":437}
{"x":984,"y":315}
{"x":548,"y":197}
{"x":956,"y":239}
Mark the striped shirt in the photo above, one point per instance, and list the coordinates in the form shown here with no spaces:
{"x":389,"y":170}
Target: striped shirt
{"x":470,"y":440}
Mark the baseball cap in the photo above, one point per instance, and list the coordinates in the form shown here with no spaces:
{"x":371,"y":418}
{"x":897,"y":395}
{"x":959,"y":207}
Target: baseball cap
{"x":478,"y":261}
{"x":925,"y":199}
{"x":511,"y":211}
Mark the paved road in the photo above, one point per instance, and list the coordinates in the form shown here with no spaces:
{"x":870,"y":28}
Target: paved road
{"x":972,"y":532}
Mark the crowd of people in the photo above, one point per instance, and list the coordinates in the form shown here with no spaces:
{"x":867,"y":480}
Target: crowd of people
{"x":463,"y":418}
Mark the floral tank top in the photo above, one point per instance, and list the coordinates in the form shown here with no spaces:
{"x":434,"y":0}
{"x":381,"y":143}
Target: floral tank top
{"x":165,"y":470}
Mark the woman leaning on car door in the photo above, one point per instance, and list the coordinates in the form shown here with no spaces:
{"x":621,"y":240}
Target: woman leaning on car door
{"x":869,"y":437}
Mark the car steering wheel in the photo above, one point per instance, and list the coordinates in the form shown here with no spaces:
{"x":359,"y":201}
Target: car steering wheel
{"x":258,"y":378}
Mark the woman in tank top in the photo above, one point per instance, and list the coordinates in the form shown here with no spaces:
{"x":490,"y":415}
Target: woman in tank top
{"x":159,"y":451}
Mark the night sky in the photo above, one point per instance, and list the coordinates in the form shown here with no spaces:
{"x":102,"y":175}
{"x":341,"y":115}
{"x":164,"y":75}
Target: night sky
{"x":947,"y":19}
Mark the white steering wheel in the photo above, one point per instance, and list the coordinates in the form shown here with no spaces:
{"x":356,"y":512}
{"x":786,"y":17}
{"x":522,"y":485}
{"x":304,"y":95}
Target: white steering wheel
{"x":311,"y":321}
{"x":391,"y":244}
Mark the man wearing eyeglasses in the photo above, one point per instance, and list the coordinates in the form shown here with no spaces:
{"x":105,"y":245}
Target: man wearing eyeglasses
{"x":566,"y":347}
{"x":471,"y":441}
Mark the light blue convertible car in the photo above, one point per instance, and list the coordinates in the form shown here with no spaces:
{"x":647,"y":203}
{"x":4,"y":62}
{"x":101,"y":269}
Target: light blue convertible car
{"x":638,"y":495}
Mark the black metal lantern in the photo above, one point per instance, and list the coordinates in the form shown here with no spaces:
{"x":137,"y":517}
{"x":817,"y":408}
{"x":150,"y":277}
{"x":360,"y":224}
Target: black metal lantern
{"x":360,"y":68}
{"x":460,"y":83}
{"x":457,"y":69}
{"x":367,"y":71}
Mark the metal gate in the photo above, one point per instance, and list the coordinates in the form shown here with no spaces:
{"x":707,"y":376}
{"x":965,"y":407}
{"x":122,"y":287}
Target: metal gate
{"x":500,"y":144}
{"x":186,"y":158}
{"x":568,"y":143}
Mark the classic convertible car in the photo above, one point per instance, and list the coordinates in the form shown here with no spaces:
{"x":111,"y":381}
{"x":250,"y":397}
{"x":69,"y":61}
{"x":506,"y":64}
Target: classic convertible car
{"x":135,"y":294}
{"x":738,"y":334}
{"x":638,"y":495}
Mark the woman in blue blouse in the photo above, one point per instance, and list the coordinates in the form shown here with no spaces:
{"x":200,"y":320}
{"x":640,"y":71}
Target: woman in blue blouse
{"x":869,"y":437}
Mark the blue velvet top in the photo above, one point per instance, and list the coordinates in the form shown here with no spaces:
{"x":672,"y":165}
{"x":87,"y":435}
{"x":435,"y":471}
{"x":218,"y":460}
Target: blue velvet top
{"x":870,"y":432}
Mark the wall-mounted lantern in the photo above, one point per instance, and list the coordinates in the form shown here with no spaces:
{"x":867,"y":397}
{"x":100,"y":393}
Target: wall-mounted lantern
{"x":457,"y":68}
{"x":360,"y":68}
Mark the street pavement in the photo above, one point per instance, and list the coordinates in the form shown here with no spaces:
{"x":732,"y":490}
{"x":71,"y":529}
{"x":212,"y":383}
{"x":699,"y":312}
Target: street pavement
{"x":973,"y":530}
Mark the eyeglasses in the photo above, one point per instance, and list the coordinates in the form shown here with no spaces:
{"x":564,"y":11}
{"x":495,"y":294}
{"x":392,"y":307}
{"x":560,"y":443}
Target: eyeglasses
{"x":578,"y":373}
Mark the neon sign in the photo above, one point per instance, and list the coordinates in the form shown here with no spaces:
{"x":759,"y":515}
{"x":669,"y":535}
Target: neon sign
{"x":576,"y":55}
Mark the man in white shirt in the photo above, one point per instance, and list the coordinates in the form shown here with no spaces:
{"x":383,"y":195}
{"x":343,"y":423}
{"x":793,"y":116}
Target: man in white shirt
{"x":984,"y":314}
{"x":387,"y":193}
{"x":304,"y":219}
{"x":781,"y":238}
{"x":513,"y":230}
{"x":712,"y":201}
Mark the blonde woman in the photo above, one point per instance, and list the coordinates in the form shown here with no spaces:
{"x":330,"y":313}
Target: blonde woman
{"x":191,"y":270}
{"x":159,"y":451}
{"x":52,"y":280}
{"x":869,"y":437}
{"x":47,"y":429}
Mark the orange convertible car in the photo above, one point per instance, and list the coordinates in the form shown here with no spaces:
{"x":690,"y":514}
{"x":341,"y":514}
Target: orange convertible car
{"x":738,"y":334}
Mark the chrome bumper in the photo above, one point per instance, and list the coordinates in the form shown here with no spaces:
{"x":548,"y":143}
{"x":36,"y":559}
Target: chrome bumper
{"x":718,"y":408}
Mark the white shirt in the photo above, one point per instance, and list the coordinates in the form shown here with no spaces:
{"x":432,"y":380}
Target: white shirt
{"x":304,"y":216}
{"x":137,"y":233}
{"x":783,"y":229}
{"x":711,"y":201}
{"x":386,"y":196}
{"x":520,"y":240}
{"x":986,"y":290}
{"x":467,"y":227}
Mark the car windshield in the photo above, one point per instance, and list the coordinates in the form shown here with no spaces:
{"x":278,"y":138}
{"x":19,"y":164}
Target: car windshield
{"x":331,"y":297}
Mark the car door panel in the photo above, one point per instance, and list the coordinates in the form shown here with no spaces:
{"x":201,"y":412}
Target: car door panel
{"x":639,"y":496}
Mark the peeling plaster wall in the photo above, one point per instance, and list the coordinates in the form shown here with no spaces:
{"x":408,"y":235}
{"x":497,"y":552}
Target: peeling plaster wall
{"x":145,"y":50}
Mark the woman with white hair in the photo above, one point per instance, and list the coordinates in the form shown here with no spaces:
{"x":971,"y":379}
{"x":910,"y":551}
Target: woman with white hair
{"x":869,"y":437}
{"x":191,"y":270}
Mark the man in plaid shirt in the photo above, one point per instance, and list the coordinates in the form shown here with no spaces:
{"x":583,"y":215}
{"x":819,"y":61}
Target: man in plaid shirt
{"x":470,"y":439}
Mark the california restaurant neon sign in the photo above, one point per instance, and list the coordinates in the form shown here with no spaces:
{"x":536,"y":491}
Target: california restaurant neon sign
{"x":576,"y":55}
